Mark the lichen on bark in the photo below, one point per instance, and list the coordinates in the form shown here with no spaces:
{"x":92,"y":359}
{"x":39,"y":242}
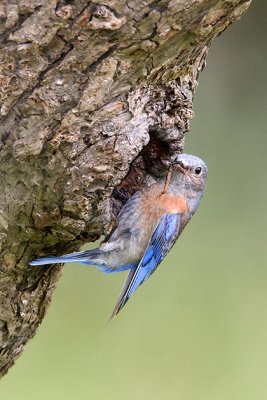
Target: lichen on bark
{"x":95,"y":98}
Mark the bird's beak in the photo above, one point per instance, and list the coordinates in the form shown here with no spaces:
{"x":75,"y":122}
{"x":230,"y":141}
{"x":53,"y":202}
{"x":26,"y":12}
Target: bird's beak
{"x":179,"y":166}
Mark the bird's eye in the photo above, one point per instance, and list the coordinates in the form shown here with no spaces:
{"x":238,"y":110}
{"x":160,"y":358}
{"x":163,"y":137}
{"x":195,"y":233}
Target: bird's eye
{"x":198,"y":170}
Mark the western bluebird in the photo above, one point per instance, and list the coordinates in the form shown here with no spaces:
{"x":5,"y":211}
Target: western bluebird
{"x":148,"y":226}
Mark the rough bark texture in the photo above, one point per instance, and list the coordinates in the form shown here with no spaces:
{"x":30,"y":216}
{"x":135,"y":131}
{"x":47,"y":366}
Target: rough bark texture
{"x":95,"y":99}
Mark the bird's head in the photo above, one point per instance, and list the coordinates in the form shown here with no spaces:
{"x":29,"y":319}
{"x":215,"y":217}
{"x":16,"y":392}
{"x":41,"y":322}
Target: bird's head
{"x":189,"y":173}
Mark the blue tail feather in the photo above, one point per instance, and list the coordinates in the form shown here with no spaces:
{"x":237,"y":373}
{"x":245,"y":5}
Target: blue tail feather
{"x":88,"y":257}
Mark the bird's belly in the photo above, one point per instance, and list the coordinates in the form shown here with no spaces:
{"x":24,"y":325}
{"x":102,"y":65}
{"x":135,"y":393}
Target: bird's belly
{"x":135,"y":248}
{"x":134,"y":251}
{"x":131,"y":251}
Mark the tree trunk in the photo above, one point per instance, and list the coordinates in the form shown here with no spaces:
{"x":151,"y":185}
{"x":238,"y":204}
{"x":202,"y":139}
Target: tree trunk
{"x":95,"y":100}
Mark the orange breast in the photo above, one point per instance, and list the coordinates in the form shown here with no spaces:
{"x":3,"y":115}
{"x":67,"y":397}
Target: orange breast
{"x":172,"y":204}
{"x":155,"y":204}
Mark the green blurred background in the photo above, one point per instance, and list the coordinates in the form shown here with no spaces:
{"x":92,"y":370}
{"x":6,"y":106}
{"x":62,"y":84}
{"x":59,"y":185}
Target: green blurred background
{"x":198,"y":329}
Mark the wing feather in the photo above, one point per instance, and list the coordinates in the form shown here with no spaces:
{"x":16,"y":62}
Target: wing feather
{"x":161,"y":241}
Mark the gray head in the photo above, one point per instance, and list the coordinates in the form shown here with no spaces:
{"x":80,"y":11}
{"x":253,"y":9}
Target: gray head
{"x":189,"y":176}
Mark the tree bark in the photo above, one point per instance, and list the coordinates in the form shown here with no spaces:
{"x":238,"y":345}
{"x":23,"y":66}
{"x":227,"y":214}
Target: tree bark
{"x":95,"y":100}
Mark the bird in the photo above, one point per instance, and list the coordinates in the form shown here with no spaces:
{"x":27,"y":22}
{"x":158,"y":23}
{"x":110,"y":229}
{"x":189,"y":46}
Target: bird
{"x":147,"y":227}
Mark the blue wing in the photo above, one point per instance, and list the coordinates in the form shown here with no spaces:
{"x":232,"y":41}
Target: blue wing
{"x":161,"y":241}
